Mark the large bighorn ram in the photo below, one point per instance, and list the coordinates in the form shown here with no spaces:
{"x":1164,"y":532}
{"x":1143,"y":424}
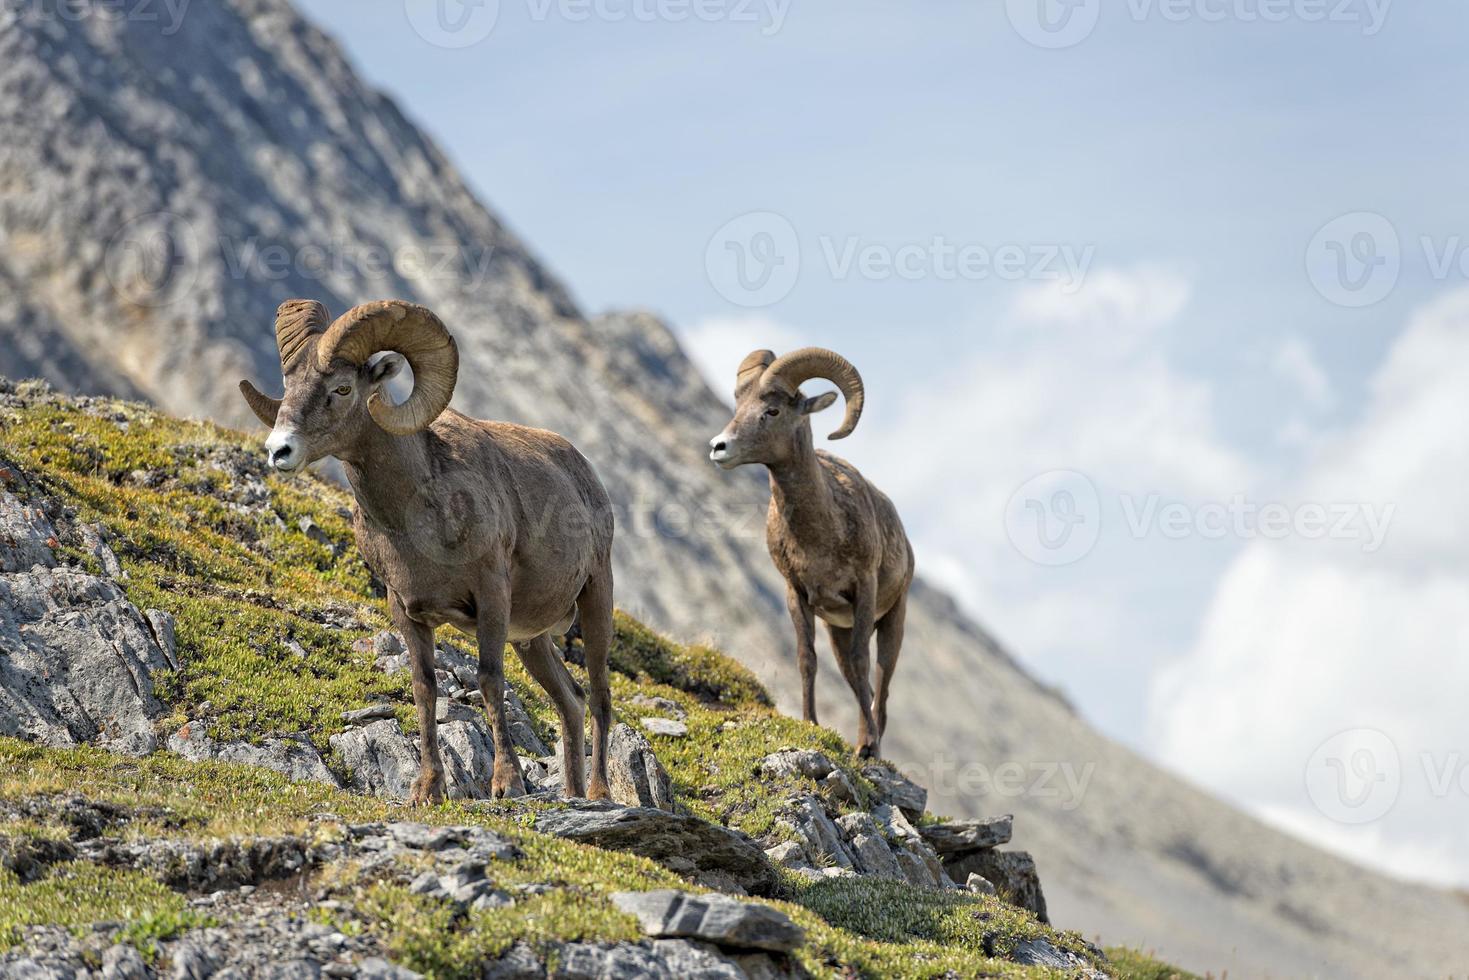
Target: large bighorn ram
{"x":499,"y":530}
{"x":834,"y":536}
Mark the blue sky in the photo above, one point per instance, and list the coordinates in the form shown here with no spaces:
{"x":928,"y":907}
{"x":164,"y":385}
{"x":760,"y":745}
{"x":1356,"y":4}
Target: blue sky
{"x":1203,"y":164}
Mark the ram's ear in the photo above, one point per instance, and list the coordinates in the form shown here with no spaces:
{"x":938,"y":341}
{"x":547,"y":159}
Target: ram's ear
{"x":388,"y":366}
{"x":810,"y":406}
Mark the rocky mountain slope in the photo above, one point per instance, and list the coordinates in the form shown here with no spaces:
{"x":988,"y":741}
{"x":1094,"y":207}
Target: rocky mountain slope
{"x":159,"y":195}
{"x":268,"y":838}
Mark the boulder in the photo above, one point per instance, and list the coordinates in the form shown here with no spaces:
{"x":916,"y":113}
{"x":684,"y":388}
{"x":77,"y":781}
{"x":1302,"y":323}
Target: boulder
{"x":383,"y":761}
{"x":840,"y":788}
{"x":1042,"y":952}
{"x":788,"y":854}
{"x":867,"y":844}
{"x":373,"y":712}
{"x":469,"y":760}
{"x":380,"y":759}
{"x":1012,"y":873}
{"x":664,"y":706}
{"x":718,"y":919}
{"x":666,"y":959}
{"x":788,"y":763}
{"x":711,"y":855}
{"x":807,"y":820}
{"x":895,"y":788}
{"x":634,"y":774}
{"x":920,"y":864}
{"x":962,"y":836}
{"x":76,"y":657}
{"x":666,"y":727}
{"x":26,"y":536}
{"x":980,"y":885}
{"x":292,"y":757}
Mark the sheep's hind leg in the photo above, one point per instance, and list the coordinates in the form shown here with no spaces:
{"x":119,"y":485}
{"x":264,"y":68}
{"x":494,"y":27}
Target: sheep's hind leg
{"x":889,"y":644}
{"x":595,"y":606}
{"x":543,"y":662}
{"x":429,"y":786}
{"x":507,"y":779}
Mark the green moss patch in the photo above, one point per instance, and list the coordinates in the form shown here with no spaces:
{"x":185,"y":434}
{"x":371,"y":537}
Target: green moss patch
{"x":76,"y":895}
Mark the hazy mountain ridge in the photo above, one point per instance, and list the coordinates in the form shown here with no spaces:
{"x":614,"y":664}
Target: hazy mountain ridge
{"x":246,"y":145}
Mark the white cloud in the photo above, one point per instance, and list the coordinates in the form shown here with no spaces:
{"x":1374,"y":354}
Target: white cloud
{"x":1307,"y":639}
{"x":717,"y":344}
{"x":1296,"y":363}
{"x":1068,"y":382}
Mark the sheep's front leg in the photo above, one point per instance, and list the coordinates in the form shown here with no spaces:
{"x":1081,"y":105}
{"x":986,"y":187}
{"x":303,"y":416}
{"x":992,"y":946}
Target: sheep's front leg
{"x":805,"y":623}
{"x":429,"y":786}
{"x":492,"y":626}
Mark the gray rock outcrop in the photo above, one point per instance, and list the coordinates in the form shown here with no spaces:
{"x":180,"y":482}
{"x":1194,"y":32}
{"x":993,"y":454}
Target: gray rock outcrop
{"x":294,"y":758}
{"x":635,"y":776}
{"x":711,"y":855}
{"x":718,"y":919}
{"x":76,"y":657}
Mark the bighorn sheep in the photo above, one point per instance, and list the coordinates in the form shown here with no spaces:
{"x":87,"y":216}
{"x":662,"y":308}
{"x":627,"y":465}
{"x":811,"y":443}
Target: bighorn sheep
{"x":834,"y":536}
{"x":500,"y":530}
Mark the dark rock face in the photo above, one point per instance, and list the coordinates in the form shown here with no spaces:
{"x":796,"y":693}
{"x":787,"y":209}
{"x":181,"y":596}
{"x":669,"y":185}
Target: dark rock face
{"x":710,"y":854}
{"x":1013,"y":874}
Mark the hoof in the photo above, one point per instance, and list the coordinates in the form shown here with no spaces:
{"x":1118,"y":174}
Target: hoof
{"x":507,"y":786}
{"x":599,"y":790}
{"x":868,"y":751}
{"x":427,"y":792}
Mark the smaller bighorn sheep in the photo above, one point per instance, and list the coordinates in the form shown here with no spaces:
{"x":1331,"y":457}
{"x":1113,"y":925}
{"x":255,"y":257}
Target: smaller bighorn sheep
{"x":499,"y":530}
{"x":834,"y":536}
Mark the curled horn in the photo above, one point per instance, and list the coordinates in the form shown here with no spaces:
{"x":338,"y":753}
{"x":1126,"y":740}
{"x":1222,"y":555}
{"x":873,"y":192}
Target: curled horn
{"x":412,"y":331}
{"x":265,"y":407}
{"x":790,"y":371}
{"x":751,"y":370}
{"x":296,"y":322}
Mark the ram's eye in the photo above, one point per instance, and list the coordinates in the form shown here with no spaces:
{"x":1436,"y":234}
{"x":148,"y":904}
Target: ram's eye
{"x":771,"y":413}
{"x":344,"y":390}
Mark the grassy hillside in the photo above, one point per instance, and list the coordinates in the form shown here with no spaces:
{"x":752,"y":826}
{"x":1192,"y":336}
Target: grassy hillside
{"x":272,"y":606}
